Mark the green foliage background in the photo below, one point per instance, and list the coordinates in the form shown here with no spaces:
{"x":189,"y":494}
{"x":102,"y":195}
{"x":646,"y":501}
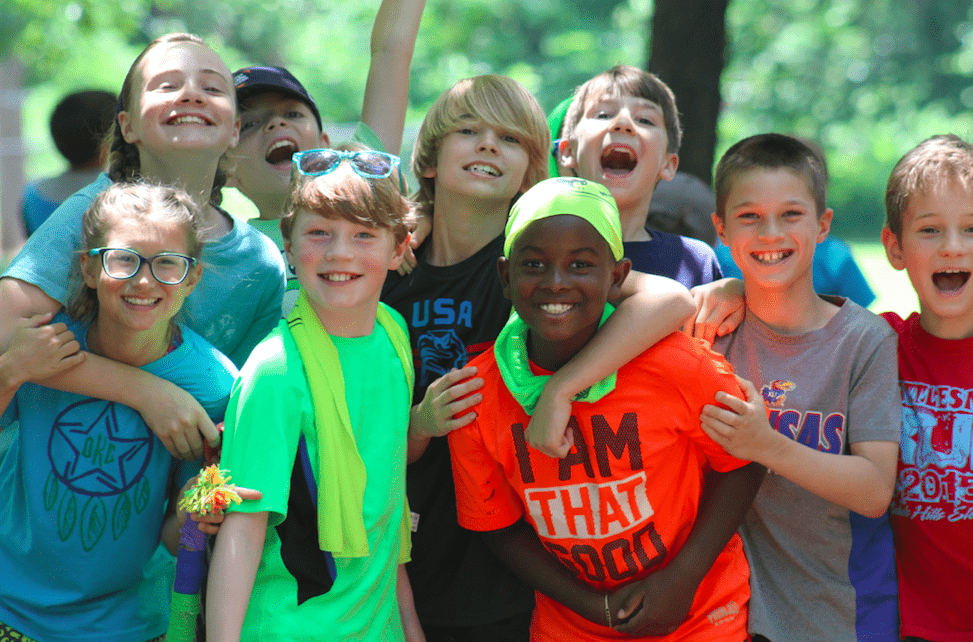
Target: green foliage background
{"x":868,"y":79}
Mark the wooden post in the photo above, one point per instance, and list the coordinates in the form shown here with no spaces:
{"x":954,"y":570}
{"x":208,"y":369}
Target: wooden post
{"x":12,"y":234}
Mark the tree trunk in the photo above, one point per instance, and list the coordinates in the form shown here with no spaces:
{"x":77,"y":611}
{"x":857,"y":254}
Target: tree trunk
{"x":687,"y":52}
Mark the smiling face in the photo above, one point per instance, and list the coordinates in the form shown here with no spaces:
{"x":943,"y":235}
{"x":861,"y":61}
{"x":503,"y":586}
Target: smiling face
{"x":560,"y":273}
{"x":182,"y":101}
{"x":771,"y":227}
{"x":140,"y":305}
{"x":342,"y":266}
{"x":480,"y":161}
{"x":274,"y":127}
{"x":936,"y":249}
{"x":620,"y":141}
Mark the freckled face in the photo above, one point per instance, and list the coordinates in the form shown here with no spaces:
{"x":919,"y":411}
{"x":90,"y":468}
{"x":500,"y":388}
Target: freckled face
{"x":342,"y":266}
{"x":620,"y":142}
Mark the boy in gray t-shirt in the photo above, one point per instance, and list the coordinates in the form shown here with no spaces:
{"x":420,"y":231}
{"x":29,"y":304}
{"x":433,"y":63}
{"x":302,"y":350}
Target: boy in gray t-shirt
{"x":826,"y":419}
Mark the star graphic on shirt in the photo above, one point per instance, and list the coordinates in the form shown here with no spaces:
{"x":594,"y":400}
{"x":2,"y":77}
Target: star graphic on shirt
{"x":91,"y":452}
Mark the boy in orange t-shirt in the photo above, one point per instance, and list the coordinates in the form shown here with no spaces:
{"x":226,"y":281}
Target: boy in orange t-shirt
{"x":605,"y":535}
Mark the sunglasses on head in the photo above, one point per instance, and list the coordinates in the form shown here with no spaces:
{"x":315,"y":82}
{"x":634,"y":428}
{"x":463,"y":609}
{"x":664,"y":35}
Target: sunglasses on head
{"x":367,"y":164}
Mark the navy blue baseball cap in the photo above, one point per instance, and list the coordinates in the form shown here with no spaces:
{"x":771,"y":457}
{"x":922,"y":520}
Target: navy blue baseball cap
{"x":257,"y":79}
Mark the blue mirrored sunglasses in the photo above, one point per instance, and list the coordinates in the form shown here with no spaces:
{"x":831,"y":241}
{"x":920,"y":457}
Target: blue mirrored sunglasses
{"x":367,"y":164}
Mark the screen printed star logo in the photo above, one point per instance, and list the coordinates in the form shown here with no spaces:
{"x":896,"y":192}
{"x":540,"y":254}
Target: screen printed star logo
{"x":89,"y":454}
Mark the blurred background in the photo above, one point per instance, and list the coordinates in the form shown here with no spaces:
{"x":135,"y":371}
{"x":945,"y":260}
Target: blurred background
{"x":867,"y":79}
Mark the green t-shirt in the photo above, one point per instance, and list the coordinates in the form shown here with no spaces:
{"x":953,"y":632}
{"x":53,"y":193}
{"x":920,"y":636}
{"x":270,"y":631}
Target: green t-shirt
{"x":270,"y":401}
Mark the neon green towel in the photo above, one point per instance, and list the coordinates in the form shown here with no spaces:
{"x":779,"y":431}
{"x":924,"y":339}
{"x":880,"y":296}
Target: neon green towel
{"x":341,"y":487}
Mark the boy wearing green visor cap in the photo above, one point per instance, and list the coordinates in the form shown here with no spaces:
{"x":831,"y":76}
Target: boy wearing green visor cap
{"x":606,"y":535}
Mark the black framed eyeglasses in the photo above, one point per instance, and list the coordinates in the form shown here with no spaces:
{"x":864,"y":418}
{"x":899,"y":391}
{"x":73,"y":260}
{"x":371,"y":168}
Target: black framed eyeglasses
{"x":169,"y":268}
{"x":366,"y":163}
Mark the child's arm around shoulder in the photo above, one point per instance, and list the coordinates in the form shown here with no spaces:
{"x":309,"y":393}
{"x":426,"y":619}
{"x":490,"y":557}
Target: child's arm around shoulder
{"x":36,"y":351}
{"x":651,"y":308}
{"x":720,"y":308}
{"x":387,"y":88}
{"x":172,"y":414}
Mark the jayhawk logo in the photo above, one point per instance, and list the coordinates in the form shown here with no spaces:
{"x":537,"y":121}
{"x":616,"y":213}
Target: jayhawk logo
{"x":775,"y":392}
{"x":439,"y":352}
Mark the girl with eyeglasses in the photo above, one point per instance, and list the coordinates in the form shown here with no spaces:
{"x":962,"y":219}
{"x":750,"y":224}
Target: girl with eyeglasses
{"x":177,"y":118}
{"x":85,"y":481}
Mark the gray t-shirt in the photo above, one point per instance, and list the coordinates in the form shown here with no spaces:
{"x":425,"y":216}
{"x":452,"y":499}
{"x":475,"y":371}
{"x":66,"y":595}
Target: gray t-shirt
{"x":820,"y":571}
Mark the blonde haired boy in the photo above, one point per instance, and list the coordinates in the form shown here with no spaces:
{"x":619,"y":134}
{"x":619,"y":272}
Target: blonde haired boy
{"x":484,"y":142}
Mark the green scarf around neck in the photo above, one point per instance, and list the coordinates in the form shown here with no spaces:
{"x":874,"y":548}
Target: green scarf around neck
{"x":510,"y":350}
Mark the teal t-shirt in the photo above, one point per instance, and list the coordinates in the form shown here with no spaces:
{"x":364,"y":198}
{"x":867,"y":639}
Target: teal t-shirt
{"x":269,"y":403}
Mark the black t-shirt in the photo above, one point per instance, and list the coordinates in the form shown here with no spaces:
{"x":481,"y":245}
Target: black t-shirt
{"x":454,"y":313}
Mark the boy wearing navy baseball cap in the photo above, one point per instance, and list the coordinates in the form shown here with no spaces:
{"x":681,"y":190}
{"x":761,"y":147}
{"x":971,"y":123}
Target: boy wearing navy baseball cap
{"x":280,"y":118}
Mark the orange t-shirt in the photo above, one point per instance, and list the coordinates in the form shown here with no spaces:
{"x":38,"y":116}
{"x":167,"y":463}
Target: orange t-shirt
{"x":624,"y":500}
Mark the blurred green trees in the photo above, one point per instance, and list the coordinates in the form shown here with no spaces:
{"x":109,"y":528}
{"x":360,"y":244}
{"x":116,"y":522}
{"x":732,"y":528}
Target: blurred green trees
{"x":867,"y":78}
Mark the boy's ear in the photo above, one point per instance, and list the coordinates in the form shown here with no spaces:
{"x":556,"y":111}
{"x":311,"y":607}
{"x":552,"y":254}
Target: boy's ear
{"x":824,"y":224}
{"x":325,"y":140}
{"x":668,"y":169}
{"x":287,"y":252}
{"x":399,"y":252}
{"x":503,"y":269}
{"x":567,"y":159}
{"x":720,"y":228}
{"x":893,"y":249}
{"x":619,"y":274}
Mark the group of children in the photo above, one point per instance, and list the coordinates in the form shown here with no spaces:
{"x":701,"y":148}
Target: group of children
{"x":519,"y":391}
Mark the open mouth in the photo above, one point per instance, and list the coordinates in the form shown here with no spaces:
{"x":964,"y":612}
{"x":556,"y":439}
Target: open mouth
{"x":281,"y":152}
{"x":134,"y":300}
{"x":771,"y":257}
{"x":483,"y":169}
{"x":950,"y":280}
{"x":618,"y":159}
{"x":188,"y":119}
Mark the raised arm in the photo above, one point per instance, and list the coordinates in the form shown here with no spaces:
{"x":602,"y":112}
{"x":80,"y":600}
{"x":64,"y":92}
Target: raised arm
{"x":387,"y":88}
{"x":652,"y":308}
{"x":172,"y":413}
